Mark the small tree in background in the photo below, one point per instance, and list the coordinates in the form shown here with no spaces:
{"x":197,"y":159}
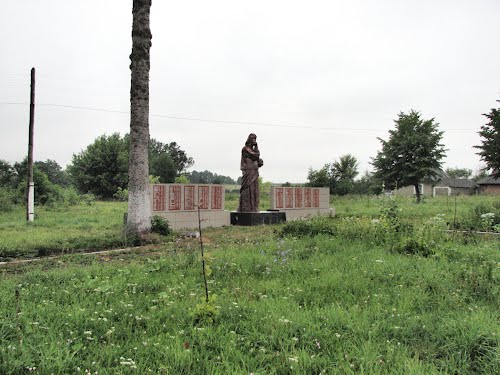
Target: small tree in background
{"x":343,"y":172}
{"x":490,"y":134}
{"x":338,"y":176}
{"x":459,"y":172}
{"x":413,"y":152}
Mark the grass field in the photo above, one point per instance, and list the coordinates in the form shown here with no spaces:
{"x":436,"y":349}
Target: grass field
{"x":63,"y":229}
{"x":332,"y":296}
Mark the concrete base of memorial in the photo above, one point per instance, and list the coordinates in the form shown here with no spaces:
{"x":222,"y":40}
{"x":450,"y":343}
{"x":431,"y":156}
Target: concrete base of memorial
{"x":189,"y":220}
{"x":257,"y":218}
{"x":307,"y":213}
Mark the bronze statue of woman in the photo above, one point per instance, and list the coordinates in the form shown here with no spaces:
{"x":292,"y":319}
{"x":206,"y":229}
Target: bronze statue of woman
{"x":250,"y":164}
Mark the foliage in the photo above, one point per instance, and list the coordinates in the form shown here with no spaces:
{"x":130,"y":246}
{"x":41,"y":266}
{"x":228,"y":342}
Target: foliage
{"x":490,"y":148}
{"x":412,"y":153}
{"x":307,"y":228}
{"x":160,"y":225}
{"x":319,"y":178}
{"x":178,"y":156}
{"x":7,"y":174}
{"x":181,"y":180}
{"x":102,"y":167}
{"x":162,"y":166}
{"x":8,"y":198}
{"x":307,"y":306}
{"x":338,"y":176}
{"x":86,"y":225}
{"x":459,"y":172}
{"x":45,"y":191}
{"x":53,"y":171}
{"x":205,"y":312}
{"x":121,"y":194}
{"x":367,"y":184}
{"x":207,"y":177}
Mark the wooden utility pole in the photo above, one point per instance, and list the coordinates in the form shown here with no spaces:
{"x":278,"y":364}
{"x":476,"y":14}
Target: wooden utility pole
{"x":30,"y":204}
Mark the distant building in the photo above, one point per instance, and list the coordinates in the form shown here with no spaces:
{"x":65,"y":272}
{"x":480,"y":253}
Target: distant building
{"x":442,"y":185}
{"x":489,"y":185}
{"x":454,"y":186}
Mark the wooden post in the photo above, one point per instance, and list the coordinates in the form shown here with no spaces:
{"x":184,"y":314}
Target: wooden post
{"x":30,"y":204}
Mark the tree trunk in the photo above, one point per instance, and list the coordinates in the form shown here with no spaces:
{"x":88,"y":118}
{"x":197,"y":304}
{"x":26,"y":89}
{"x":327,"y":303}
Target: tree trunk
{"x":138,"y":218}
{"x":417,"y":192}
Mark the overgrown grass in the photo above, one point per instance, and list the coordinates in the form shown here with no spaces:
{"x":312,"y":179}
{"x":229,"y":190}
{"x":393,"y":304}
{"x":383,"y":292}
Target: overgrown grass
{"x":62,"y":229}
{"x":283,"y":305}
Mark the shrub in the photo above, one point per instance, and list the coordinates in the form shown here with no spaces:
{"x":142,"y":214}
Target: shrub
{"x":121,"y":194}
{"x":160,"y":225}
{"x":8,"y":199}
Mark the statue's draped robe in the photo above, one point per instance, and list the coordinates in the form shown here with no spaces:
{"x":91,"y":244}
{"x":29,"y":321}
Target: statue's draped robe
{"x":249,"y":191}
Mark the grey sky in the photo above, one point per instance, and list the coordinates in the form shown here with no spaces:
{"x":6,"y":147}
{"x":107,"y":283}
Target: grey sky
{"x":327,"y":77}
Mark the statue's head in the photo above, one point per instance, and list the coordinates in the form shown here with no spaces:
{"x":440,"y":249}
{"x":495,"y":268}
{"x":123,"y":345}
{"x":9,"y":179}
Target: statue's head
{"x":252,"y":138}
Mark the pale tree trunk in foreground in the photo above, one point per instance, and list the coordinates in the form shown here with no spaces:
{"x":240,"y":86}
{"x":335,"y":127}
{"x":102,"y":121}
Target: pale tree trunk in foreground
{"x":138,"y":219}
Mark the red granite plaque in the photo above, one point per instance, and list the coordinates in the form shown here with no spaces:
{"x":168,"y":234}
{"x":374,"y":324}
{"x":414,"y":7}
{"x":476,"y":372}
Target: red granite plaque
{"x":298,"y":197}
{"x":316,"y":198}
{"x":189,"y":197}
{"x":289,"y":197}
{"x":203,"y":197}
{"x":307,"y":197}
{"x":158,"y":198}
{"x":174,"y":198}
{"x":279,"y":197}
{"x":216,"y":197}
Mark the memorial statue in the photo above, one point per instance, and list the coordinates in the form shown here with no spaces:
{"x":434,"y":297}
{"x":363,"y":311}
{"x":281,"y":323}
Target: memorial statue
{"x":250,"y":164}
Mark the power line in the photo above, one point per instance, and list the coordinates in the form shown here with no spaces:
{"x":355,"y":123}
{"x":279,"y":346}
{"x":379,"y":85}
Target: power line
{"x":183,"y":118}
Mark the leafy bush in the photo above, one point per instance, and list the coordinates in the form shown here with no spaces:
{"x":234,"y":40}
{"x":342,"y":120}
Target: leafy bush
{"x":412,"y":246}
{"x":121,"y":194}
{"x":71,"y":196}
{"x":160,"y":225}
{"x":205,"y":312}
{"x":9,"y":198}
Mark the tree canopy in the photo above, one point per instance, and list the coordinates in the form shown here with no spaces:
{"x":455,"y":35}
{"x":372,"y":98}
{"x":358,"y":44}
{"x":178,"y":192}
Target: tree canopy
{"x":490,"y":147}
{"x":459,"y":172}
{"x":102,"y":167}
{"x":338,"y":176}
{"x":207,"y":177}
{"x":412,"y":153}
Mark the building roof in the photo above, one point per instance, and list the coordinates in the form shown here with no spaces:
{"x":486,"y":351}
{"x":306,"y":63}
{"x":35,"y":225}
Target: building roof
{"x":458,"y":182}
{"x":489,"y":181}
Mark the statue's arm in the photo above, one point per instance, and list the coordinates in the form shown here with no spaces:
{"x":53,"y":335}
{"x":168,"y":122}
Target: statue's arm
{"x":252,"y":154}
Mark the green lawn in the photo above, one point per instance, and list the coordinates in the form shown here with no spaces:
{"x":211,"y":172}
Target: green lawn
{"x":345,"y":303}
{"x":282,"y":306}
{"x":61,"y":229}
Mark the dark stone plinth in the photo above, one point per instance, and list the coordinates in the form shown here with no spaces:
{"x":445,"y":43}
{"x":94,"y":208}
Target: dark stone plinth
{"x":257,"y":218}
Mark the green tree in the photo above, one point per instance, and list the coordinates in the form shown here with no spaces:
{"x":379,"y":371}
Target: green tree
{"x":207,"y":177}
{"x":338,"y":176}
{"x":101,"y":168}
{"x":367,"y":184}
{"x":412,"y":153}
{"x":320,"y":177}
{"x":7,"y":174}
{"x":459,"y":172}
{"x":163,"y":166}
{"x":343,"y":172}
{"x":490,"y":147}
{"x":46,"y":192}
{"x":53,"y":171}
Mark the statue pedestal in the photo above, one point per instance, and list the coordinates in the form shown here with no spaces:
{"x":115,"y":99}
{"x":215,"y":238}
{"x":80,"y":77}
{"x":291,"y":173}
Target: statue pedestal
{"x":257,"y":218}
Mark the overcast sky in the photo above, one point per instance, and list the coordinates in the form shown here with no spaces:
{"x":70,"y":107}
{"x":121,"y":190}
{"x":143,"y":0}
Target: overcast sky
{"x":313,"y":79}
